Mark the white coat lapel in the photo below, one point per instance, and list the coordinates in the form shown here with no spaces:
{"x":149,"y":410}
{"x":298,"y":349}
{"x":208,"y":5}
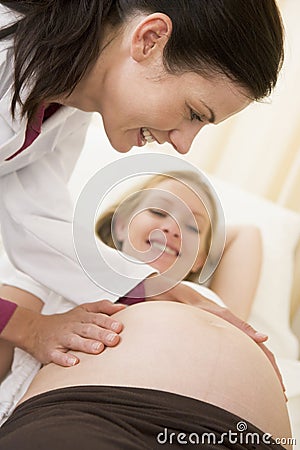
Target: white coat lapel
{"x":13,"y":131}
{"x":57,"y":119}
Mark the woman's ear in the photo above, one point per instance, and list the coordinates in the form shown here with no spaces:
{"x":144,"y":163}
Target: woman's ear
{"x":150,"y":36}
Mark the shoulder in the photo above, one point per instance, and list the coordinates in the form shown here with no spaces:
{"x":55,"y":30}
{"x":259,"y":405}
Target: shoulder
{"x":205,"y":291}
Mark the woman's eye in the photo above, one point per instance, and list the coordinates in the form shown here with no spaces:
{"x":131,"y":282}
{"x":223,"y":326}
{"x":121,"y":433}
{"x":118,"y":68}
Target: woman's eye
{"x":195,"y":116}
{"x":193,"y":229}
{"x":157,"y":212}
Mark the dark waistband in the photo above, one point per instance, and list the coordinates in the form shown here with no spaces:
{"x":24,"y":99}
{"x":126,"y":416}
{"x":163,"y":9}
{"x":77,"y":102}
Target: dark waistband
{"x":153,"y":408}
{"x":106,"y":394}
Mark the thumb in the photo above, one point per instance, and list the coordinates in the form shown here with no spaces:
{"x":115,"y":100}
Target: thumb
{"x":243,"y":326}
{"x":254,"y":334}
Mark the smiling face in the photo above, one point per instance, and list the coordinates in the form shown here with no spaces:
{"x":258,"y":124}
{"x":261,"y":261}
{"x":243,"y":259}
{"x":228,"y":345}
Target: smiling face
{"x":168,"y":230}
{"x":140,"y":102}
{"x":172,"y":109}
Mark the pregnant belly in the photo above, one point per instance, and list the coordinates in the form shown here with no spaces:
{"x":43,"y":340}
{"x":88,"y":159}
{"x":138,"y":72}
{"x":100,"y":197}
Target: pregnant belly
{"x":181,"y":349}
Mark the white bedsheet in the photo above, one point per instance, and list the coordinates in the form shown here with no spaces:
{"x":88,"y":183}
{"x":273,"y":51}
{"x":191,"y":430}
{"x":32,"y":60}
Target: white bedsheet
{"x":24,"y":368}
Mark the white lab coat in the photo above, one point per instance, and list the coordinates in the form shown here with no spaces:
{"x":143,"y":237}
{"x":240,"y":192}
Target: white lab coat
{"x":36,"y":208}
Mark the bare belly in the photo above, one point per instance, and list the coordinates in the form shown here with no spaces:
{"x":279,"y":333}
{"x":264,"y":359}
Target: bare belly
{"x":184,"y":350}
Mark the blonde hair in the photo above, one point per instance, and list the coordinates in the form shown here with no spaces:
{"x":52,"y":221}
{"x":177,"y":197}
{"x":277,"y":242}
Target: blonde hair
{"x":131,"y":200}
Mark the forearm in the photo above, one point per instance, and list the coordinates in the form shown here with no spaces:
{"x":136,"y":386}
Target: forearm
{"x":20,"y":327}
{"x":15,"y":331}
{"x":7,"y":336}
{"x":237,"y":275}
{"x":21,"y":297}
{"x":22,"y":308}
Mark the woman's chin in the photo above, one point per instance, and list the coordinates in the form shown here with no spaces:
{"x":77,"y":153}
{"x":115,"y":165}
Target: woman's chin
{"x":121,"y":147}
{"x":119,"y":143}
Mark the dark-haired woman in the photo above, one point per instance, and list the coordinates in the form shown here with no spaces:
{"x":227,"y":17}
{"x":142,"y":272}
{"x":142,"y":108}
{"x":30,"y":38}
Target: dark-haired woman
{"x":154,"y":70}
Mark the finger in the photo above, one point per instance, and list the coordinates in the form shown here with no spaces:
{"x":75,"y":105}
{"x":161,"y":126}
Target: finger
{"x":63,"y":359}
{"x":98,"y":334}
{"x":226,"y":314}
{"x":260,"y":337}
{"x":83,"y":340}
{"x":245,"y":327}
{"x":104,"y":306}
{"x":103,"y":321}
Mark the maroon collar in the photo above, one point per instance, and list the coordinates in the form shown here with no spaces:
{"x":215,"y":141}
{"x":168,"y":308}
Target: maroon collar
{"x":33,"y":129}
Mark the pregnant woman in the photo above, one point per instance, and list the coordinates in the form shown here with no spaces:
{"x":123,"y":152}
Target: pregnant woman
{"x":179,"y":376}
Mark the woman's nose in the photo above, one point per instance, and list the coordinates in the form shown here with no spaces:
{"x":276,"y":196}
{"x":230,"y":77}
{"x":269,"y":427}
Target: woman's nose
{"x":171,"y":228}
{"x":182,"y":138}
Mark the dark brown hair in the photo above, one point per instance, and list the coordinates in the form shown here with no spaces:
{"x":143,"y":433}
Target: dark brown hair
{"x":57,"y":41}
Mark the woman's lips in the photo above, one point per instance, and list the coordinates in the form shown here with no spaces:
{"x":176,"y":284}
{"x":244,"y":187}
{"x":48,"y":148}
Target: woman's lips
{"x":164,"y":248}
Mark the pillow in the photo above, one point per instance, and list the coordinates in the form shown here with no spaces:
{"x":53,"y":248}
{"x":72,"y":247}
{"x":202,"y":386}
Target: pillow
{"x":280,"y":229}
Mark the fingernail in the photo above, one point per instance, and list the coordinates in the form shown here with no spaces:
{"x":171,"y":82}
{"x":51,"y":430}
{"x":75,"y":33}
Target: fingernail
{"x":72,"y":361}
{"x":96,"y":346}
{"x":111,"y":337}
{"x":261,"y":335}
{"x":115,"y":326}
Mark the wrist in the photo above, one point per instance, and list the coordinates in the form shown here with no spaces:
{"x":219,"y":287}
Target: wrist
{"x":21,"y":328}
